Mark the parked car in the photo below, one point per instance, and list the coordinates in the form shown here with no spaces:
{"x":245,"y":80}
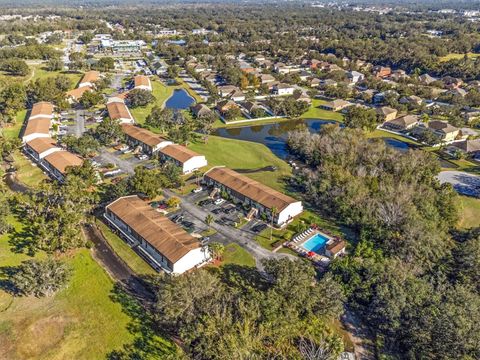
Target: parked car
{"x":178,"y":218}
{"x":259,"y":228}
{"x":142,"y":157}
{"x":205,"y":202}
{"x":197,"y":190}
{"x":188,"y":224}
{"x":217,"y":211}
{"x":219,"y":201}
{"x":229,"y":210}
{"x":127,"y":151}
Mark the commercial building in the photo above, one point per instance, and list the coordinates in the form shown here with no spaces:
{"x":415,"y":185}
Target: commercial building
{"x":165,"y":244}
{"x":185,"y":158}
{"x":251,"y":193}
{"x":147,"y":140}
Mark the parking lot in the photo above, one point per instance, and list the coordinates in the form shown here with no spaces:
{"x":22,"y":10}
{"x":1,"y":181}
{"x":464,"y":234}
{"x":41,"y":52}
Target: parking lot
{"x":226,"y":213}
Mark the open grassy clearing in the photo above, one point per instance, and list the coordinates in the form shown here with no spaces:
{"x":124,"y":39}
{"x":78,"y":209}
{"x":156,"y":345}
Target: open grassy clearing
{"x":316,"y":113}
{"x":454,"y":56}
{"x":40,"y":72}
{"x":13,"y":130}
{"x":161,"y":92}
{"x":80,"y":322}
{"x":125,"y":252}
{"x":235,"y":254}
{"x":27,"y":172}
{"x":470,"y":212}
{"x":244,"y":155}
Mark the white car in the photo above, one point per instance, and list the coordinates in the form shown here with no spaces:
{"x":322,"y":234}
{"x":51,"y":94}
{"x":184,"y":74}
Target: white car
{"x":127,"y":151}
{"x":197,"y":190}
{"x":142,"y":157}
{"x":219,"y":201}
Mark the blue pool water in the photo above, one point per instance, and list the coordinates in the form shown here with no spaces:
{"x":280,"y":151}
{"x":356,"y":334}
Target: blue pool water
{"x":315,"y":243}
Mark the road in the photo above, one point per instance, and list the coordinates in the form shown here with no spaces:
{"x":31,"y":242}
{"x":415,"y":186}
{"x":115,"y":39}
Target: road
{"x":79,"y":127}
{"x":227,"y":234}
{"x":464,"y":183}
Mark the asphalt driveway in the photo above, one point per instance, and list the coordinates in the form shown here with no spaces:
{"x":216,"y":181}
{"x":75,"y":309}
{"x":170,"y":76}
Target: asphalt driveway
{"x":464,"y":183}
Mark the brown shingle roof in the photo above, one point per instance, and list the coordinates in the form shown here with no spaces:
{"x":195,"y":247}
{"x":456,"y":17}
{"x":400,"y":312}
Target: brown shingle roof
{"x":39,"y":145}
{"x":141,"y":80}
{"x":443,"y":126}
{"x":336,"y":246}
{"x":468,"y":145}
{"x":118,"y":110}
{"x":250,"y":188}
{"x":90,"y":76}
{"x":143,"y":135}
{"x":42,"y":108}
{"x":60,"y":160}
{"x":167,"y":237}
{"x":39,"y":125}
{"x":78,"y":92}
{"x":178,"y":152}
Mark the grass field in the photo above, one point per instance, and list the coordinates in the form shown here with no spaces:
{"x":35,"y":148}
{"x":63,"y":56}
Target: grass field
{"x":81,"y":321}
{"x":234,"y":254}
{"x":453,"y":56}
{"x":27,"y":173}
{"x":39,"y":72}
{"x":470,"y":213}
{"x":316,"y":113}
{"x":161,"y":93}
{"x":125,"y":252}
{"x":244,"y":155}
{"x":13,"y":131}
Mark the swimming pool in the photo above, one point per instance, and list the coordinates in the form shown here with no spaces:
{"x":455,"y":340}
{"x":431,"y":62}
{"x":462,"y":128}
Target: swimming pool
{"x":316,"y":243}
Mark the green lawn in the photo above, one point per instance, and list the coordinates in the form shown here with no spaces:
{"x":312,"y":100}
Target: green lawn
{"x":81,"y":321}
{"x":39,"y":72}
{"x":125,"y":252}
{"x":470,"y":213}
{"x":28,"y":173}
{"x":161,"y":93}
{"x":316,"y":113}
{"x":235,"y":254}
{"x":455,"y":56}
{"x":244,"y":155}
{"x":13,"y":131}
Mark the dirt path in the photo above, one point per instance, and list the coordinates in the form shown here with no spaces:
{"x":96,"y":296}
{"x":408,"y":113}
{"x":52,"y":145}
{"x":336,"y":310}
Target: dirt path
{"x":359,"y":336}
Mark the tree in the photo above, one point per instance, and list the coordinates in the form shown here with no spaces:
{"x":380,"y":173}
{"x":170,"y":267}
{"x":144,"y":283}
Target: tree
{"x":173,"y":202}
{"x":40,"y":277}
{"x":233,"y":113}
{"x":162,"y":119}
{"x":90,"y":99}
{"x":209,"y":219}
{"x":85,"y":145}
{"x":77,"y":61}
{"x":105,"y":64}
{"x":148,"y":182}
{"x":216,"y":249}
{"x":15,"y":67}
{"x":13,"y":98}
{"x":173,"y":71}
{"x":140,"y":97}
{"x":273,"y":213}
{"x":360,"y":118}
{"x":108,"y":131}
{"x":54,"y":64}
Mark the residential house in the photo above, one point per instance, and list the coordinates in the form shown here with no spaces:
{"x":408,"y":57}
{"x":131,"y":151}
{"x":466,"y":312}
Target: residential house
{"x":147,"y":140}
{"x":283,"y":89}
{"x":42,"y":109}
{"x":257,"y":196}
{"x":117,"y":110}
{"x":380,"y":97}
{"x":427,"y":79}
{"x":355,"y":76}
{"x":382,"y":71}
{"x":166,"y":245}
{"x":237,"y":95}
{"x":200,"y":110}
{"x":142,"y":82}
{"x":451,"y":82}
{"x":458,"y":92}
{"x":304,"y":75}
{"x":246,"y":67}
{"x":412,"y":100}
{"x":58,"y":162}
{"x":39,"y":127}
{"x":386,"y":113}
{"x":301,"y":96}
{"x":470,"y":147}
{"x":401,"y":123}
{"x":445,"y":131}
{"x":313,"y":82}
{"x":225,"y":91}
{"x":224,"y":106}
{"x":266,"y":79}
{"x":186,"y":159}
{"x":75,"y":94}
{"x":89,"y":79}
{"x":336,"y":105}
{"x":40,"y":147}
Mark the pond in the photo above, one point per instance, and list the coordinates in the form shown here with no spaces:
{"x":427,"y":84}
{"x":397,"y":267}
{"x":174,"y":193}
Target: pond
{"x":179,"y":100}
{"x":274,"y":136}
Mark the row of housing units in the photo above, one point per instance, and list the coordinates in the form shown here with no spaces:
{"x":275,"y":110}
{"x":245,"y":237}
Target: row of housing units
{"x":167,"y":246}
{"x":41,"y":147}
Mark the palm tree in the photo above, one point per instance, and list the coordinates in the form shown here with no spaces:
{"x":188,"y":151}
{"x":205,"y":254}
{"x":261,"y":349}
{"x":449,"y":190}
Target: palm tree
{"x":216,"y":249}
{"x":209,"y":219}
{"x":274,"y":212}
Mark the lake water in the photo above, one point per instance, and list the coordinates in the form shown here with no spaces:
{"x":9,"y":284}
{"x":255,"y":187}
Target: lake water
{"x":179,"y":100}
{"x":274,"y":136}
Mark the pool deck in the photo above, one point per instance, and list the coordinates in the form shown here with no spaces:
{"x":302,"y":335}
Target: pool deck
{"x":297,"y":241}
